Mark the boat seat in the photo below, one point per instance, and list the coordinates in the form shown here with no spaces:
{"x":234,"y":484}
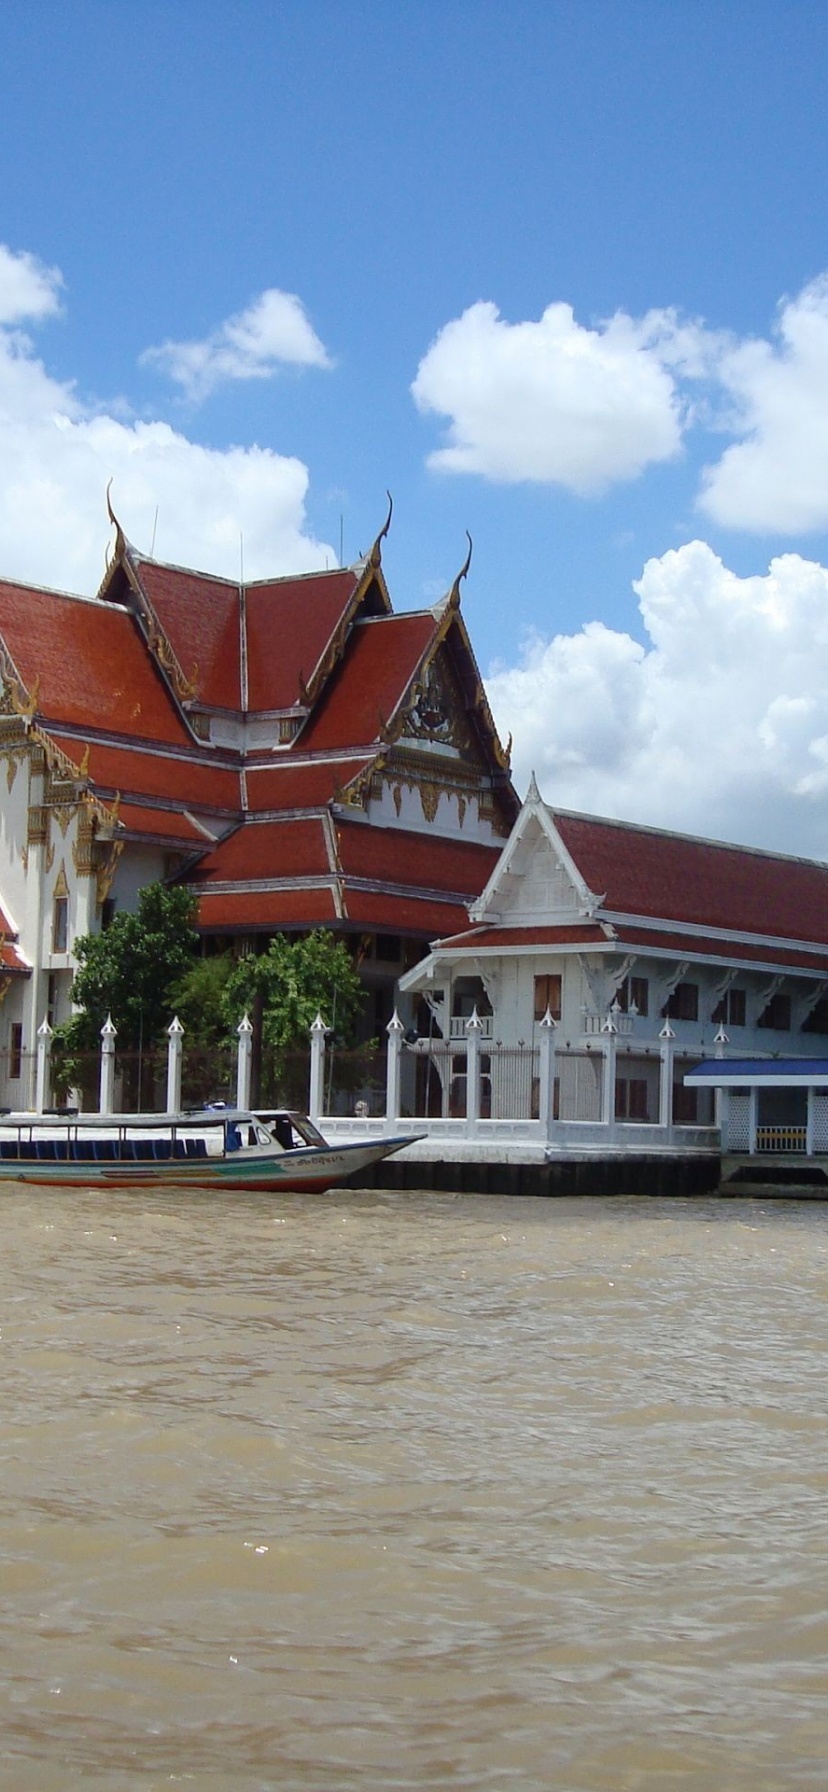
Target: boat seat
{"x":9,"y":1148}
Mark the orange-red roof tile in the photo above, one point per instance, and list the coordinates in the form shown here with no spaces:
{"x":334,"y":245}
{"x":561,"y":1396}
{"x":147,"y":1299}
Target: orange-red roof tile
{"x":92,"y":664}
{"x":581,"y":934}
{"x":642,"y":871}
{"x":391,"y":913}
{"x":283,"y":785}
{"x":383,"y":657}
{"x":400,"y":856}
{"x":270,"y":849}
{"x":264,"y":910}
{"x":195,"y":782}
{"x":200,"y":618}
{"x":168,"y":824}
{"x":290,"y":623}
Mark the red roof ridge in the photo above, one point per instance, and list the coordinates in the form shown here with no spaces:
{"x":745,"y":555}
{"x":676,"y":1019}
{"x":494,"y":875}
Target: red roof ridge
{"x":643,"y":827}
{"x":73,"y":597}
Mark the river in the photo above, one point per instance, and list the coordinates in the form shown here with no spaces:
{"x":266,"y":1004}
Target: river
{"x":384,"y":1492}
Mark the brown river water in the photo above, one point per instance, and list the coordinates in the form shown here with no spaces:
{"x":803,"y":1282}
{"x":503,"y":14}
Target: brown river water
{"x":404,"y":1491}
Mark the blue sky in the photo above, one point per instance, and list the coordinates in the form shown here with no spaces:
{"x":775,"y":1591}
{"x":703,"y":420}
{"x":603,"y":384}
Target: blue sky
{"x":430,"y":181}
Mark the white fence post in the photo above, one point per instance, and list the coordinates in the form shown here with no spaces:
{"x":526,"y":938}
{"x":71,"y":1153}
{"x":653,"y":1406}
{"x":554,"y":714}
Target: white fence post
{"x":610,"y":1033}
{"x":106,"y":1096}
{"x":319,"y":1033}
{"x":175,"y":1034}
{"x":44,"y":1047}
{"x":665,"y":1083}
{"x":474,"y":1028}
{"x":395,"y":1032}
{"x":546,"y":1105}
{"x":720,"y":1040}
{"x":243,"y":1062}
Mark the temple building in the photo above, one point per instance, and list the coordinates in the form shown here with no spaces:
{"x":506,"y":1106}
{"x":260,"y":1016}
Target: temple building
{"x":292,"y":748}
{"x":645,"y":952}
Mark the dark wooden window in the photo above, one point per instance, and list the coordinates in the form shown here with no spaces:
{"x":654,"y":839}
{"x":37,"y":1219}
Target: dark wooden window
{"x":634,"y":992}
{"x":16,"y":1053}
{"x":683,"y":1004}
{"x":60,"y":924}
{"x":731,"y":1010}
{"x":548,"y":995}
{"x":777,"y":1014}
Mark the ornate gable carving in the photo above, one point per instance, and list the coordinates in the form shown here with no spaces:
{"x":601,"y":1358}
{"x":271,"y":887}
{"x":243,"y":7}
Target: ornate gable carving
{"x":537,"y":882}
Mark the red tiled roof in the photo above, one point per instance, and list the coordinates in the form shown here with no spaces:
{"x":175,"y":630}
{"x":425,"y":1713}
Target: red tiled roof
{"x":10,"y":958}
{"x":92,"y":664}
{"x":310,"y":786}
{"x":580,"y":934}
{"x":642,"y":871}
{"x":399,"y":856}
{"x":200,"y":618}
{"x":265,"y":910}
{"x":289,"y":625}
{"x":170,"y":824}
{"x":195,"y":783}
{"x":729,"y":950}
{"x":269,"y":849}
{"x":383,"y":657}
{"x":389,"y":913}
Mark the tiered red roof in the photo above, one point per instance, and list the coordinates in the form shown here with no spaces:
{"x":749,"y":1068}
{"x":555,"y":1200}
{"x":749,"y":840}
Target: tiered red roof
{"x":121,"y":685}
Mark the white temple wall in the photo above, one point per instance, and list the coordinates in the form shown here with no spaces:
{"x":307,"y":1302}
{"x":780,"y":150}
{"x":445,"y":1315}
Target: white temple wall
{"x":137,"y":867}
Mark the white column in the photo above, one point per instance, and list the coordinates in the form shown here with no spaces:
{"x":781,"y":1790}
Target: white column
{"x":809,"y":1124}
{"x":44,"y":1047}
{"x":319,"y":1033}
{"x":474,"y":1028}
{"x":753,"y":1119}
{"x":547,"y":1075}
{"x":665,"y":1087}
{"x":106,"y":1097}
{"x":175,"y":1034}
{"x":243,"y":1061}
{"x":609,"y":1031}
{"x":395,"y":1032}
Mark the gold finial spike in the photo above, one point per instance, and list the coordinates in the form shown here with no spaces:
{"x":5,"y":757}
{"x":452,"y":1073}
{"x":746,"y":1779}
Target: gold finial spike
{"x":120,"y":538}
{"x":375,"y":556}
{"x":454,"y":594}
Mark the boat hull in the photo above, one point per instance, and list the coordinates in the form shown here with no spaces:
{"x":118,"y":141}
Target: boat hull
{"x":312,"y":1171}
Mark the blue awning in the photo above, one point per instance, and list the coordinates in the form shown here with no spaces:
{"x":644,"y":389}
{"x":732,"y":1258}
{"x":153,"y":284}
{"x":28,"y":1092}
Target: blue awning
{"x":759,"y":1073}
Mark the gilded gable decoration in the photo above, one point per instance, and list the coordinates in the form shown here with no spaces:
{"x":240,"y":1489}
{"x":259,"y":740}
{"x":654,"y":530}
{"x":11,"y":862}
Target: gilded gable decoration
{"x":375,"y":556}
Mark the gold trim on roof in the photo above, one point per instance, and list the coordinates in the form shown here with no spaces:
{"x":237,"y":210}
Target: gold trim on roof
{"x":375,"y":556}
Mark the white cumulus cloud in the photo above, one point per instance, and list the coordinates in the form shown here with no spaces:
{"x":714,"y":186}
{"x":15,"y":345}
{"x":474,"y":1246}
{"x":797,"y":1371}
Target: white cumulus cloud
{"x":57,"y":455}
{"x":718,"y":725}
{"x":776,"y":476}
{"x":554,"y":402}
{"x":273,"y":332}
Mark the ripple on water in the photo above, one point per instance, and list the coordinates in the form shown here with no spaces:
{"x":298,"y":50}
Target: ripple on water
{"x":408,"y":1491}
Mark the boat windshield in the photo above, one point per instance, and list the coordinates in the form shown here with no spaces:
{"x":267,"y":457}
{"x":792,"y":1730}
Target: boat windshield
{"x":306,"y":1130}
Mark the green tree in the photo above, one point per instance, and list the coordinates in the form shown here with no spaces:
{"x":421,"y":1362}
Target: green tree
{"x":293,"y":981}
{"x":282,"y":990}
{"x":129,"y":971}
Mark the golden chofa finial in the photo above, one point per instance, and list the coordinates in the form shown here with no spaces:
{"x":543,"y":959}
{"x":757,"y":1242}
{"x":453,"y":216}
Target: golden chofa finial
{"x":375,"y":556}
{"x":120,"y":538}
{"x":454,"y":594}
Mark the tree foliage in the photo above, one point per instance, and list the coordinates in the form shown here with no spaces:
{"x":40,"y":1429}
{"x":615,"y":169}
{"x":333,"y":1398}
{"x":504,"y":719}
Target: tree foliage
{"x":131,"y":970}
{"x":293,"y":981}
